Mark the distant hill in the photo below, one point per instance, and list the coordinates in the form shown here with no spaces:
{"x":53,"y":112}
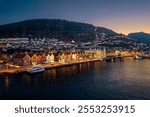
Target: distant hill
{"x":52,"y":28}
{"x":141,"y":36}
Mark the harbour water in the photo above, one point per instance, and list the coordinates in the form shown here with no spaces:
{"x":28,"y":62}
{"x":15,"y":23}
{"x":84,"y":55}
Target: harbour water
{"x":129,"y":79}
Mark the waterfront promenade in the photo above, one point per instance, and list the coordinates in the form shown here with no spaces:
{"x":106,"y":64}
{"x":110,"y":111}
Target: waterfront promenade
{"x":46,"y":66}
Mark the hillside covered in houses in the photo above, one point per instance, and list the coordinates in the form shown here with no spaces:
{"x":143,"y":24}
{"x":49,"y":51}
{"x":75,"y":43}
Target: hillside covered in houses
{"x":43,"y":36}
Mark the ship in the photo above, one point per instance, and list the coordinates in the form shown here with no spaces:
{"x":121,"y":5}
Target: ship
{"x":138,"y":57}
{"x":36,"y":69}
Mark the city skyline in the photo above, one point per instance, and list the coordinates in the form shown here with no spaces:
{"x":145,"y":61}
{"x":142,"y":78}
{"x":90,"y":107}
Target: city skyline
{"x":121,"y":16}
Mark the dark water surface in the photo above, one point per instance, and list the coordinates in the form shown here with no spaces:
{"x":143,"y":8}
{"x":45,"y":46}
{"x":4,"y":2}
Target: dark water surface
{"x":98,"y":80}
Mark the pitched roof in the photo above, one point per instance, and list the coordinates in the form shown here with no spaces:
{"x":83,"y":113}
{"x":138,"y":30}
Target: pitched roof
{"x":19,"y":56}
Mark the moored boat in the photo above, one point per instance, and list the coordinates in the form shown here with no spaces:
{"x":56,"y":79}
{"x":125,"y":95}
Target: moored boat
{"x":138,"y":57}
{"x":36,"y":69}
{"x":101,"y":59}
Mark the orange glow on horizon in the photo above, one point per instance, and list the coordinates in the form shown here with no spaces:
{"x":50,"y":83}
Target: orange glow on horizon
{"x":126,"y":24}
{"x":127,"y":31}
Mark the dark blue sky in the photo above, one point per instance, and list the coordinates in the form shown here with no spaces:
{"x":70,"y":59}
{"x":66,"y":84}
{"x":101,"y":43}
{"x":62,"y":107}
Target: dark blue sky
{"x":120,"y":15}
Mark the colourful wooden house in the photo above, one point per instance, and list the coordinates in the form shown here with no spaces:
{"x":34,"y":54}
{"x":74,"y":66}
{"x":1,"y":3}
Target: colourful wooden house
{"x":21,"y":59}
{"x":50,"y":58}
{"x":34,"y":58}
{"x":42,"y":58}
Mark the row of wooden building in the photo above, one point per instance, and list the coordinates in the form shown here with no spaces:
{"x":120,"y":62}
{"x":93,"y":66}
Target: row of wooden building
{"x":32,"y":58}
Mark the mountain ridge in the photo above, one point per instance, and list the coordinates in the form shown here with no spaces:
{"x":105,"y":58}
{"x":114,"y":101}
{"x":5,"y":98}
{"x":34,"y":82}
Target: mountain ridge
{"x":52,"y":28}
{"x":140,"y":36}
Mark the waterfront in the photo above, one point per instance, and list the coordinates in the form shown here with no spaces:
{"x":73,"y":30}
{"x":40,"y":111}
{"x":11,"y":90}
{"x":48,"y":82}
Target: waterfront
{"x":96,"y":80}
{"x":12,"y":69}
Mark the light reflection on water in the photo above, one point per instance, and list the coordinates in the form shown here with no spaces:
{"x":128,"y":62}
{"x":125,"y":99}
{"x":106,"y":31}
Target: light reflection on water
{"x":98,"y":80}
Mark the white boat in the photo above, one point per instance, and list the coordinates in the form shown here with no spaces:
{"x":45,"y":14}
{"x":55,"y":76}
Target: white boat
{"x":36,"y":69}
{"x":138,"y":57}
{"x":101,"y":59}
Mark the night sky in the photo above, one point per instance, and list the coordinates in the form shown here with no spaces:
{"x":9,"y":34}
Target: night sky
{"x":122,"y":16}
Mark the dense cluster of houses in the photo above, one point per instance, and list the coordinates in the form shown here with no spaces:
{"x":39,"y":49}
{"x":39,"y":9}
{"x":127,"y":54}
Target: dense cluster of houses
{"x":123,"y":53}
{"x":102,"y":41}
{"x":60,"y":56}
{"x":32,"y":58}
